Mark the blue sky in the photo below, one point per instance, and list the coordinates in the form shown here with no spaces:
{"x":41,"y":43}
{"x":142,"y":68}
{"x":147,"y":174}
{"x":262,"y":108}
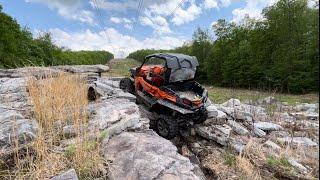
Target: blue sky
{"x":123,"y":26}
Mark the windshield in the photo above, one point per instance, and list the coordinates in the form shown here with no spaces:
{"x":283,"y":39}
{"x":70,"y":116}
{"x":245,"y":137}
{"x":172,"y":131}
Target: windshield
{"x":155,"y":61}
{"x":182,"y":74}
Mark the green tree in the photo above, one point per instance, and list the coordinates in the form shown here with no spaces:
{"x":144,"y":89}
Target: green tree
{"x":201,"y":45}
{"x":18,"y":48}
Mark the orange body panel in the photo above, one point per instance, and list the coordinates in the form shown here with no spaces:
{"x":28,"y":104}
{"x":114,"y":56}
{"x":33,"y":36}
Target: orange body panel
{"x":154,"y":91}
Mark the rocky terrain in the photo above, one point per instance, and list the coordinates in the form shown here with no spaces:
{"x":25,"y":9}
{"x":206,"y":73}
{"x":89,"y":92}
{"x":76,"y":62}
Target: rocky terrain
{"x":240,"y":140}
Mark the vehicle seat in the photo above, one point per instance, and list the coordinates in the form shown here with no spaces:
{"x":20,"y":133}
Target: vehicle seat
{"x":157,"y":78}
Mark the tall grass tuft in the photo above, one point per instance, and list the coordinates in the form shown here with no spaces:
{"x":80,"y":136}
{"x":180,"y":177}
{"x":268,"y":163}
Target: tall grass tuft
{"x":59,"y":101}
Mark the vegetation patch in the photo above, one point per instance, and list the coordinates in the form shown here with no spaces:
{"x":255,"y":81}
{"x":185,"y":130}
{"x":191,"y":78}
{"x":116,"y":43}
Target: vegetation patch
{"x":278,"y":161}
{"x":230,"y":160}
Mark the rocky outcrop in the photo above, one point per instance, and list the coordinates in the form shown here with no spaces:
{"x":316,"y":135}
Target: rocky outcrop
{"x":248,"y":121}
{"x":15,"y":129}
{"x":14,"y":95}
{"x":40,"y":72}
{"x":146,"y":156}
{"x":139,"y":153}
{"x":113,"y":114}
{"x":116,"y":115}
{"x":132,"y":150}
{"x":98,"y":68}
{"x":112,"y":111}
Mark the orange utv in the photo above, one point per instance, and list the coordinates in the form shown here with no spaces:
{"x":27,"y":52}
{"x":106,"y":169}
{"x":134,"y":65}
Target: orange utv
{"x":165,"y":84}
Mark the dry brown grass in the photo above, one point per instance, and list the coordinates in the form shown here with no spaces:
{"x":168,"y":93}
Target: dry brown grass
{"x":58,"y":100}
{"x":257,"y":162}
{"x":254,"y":153}
{"x":221,"y":164}
{"x":304,"y":155}
{"x":249,"y":170}
{"x":249,"y":161}
{"x":62,"y":98}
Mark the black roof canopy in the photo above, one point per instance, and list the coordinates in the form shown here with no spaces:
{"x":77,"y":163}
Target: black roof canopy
{"x":176,"y":61}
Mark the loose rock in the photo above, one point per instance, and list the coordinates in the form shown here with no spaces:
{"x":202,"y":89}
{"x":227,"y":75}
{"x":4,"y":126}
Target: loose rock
{"x":298,"y":141}
{"x":212,"y":111}
{"x":213,"y":133}
{"x":268,"y":126}
{"x":232,"y":103}
{"x":238,"y":128}
{"x":272,"y":145}
{"x":297,"y":165}
{"x":258,"y":132}
{"x":267,"y":101}
{"x":67,"y":175}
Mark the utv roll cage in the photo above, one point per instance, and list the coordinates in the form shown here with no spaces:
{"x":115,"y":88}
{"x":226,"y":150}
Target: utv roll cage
{"x":179,"y":67}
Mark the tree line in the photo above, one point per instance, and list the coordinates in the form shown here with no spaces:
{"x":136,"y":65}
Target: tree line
{"x":279,"y":52}
{"x":18,"y":48}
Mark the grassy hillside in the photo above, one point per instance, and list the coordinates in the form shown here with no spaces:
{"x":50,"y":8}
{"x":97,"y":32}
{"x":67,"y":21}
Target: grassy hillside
{"x":120,"y":67}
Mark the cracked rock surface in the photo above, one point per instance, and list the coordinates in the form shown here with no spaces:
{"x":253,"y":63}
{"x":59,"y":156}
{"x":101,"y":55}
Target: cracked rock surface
{"x":146,"y":156}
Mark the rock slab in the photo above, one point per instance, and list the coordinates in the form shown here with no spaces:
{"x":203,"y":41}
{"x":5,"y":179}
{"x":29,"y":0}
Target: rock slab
{"x":268,"y":126}
{"x":146,"y":156}
{"x":67,"y":175}
{"x":13,"y":126}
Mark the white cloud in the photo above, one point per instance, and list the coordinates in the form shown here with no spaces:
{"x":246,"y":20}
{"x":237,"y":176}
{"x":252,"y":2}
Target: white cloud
{"x":157,"y":14}
{"x":184,"y":16}
{"x":115,"y":20}
{"x":120,"y":45}
{"x":148,"y":16}
{"x":182,"y":13}
{"x":124,"y":5}
{"x":70,"y":9}
{"x":127,"y":23}
{"x":164,"y":8}
{"x":154,"y":15}
{"x":252,"y":9}
{"x":114,"y":5}
{"x":225,"y":3}
{"x":125,"y":20}
{"x":208,"y":4}
{"x":128,"y":26}
{"x":158,"y":23}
